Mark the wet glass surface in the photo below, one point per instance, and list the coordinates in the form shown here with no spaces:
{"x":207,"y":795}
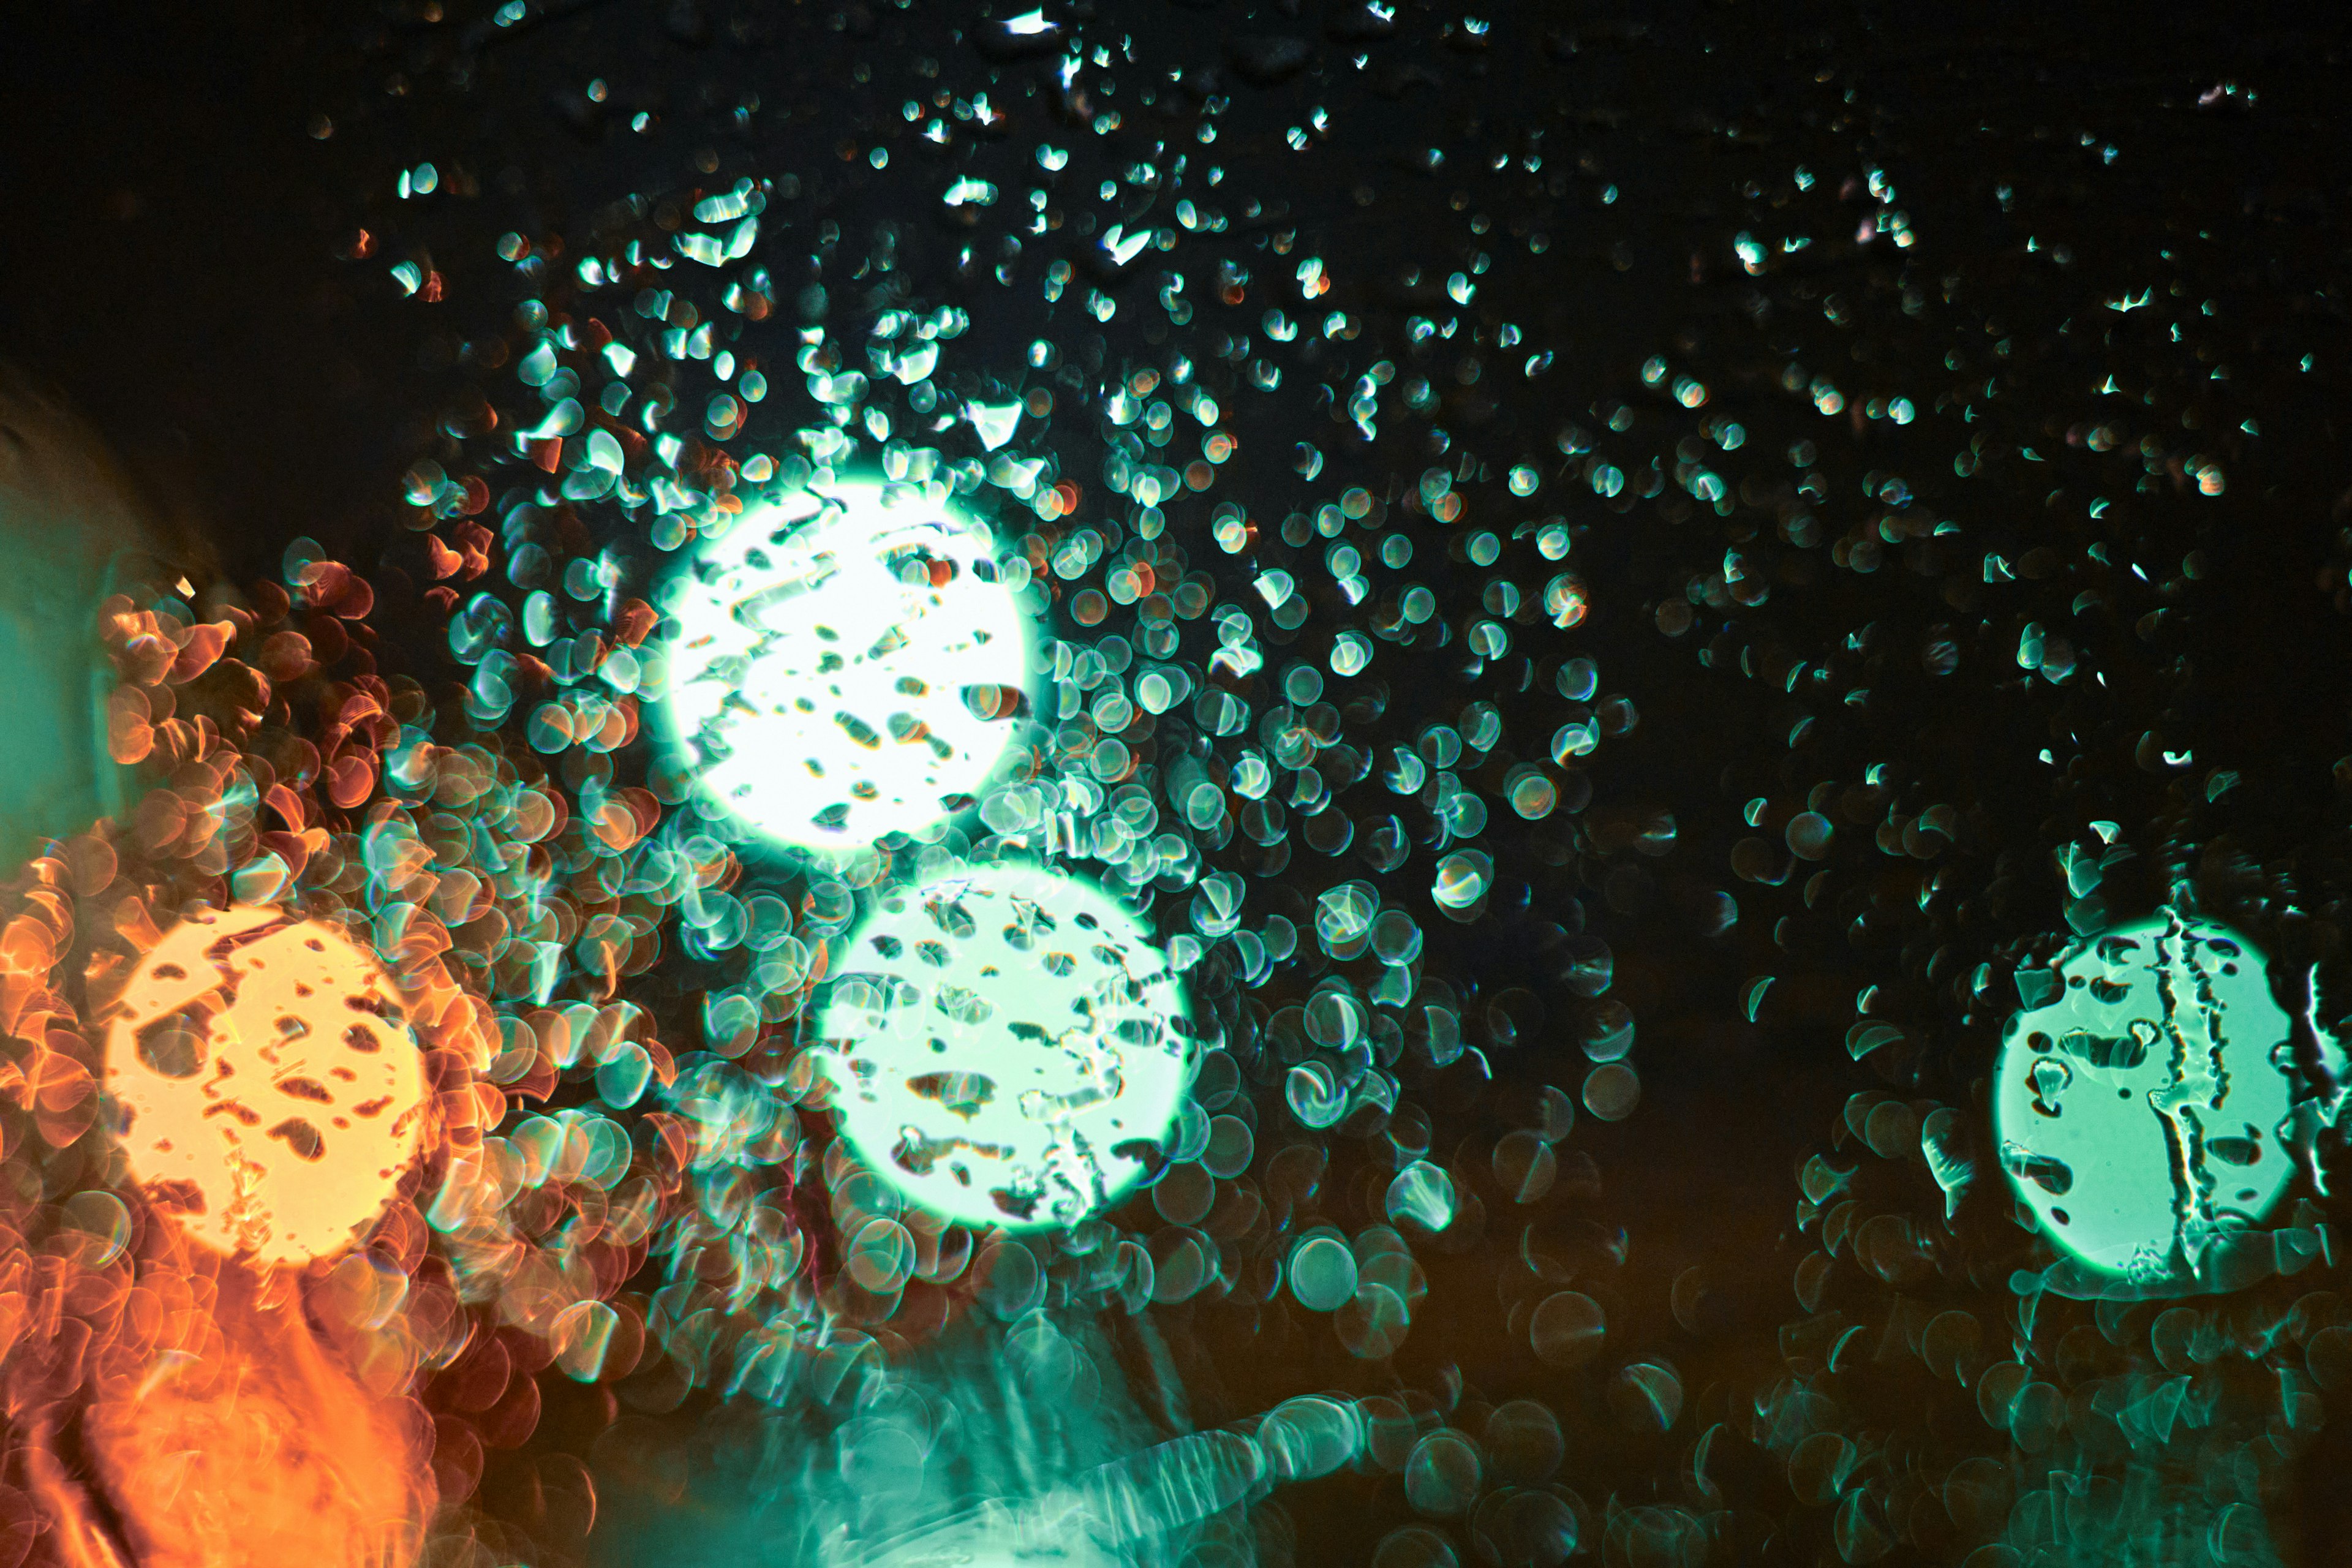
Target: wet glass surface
{"x":1169,"y":783}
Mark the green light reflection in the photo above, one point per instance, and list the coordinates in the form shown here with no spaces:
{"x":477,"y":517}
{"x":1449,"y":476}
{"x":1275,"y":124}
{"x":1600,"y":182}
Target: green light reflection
{"x":2141,"y":1100}
{"x":1006,"y":1047}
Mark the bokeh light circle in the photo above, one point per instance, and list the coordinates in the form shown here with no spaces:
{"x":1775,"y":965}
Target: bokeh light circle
{"x":2140,"y":1100}
{"x":270,"y":1093}
{"x":1006,"y":1045}
{"x":840,"y":665}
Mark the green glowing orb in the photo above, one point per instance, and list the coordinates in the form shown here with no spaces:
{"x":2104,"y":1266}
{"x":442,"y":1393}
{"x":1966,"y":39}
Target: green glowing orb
{"x":2142,"y":1095}
{"x":841,"y":665}
{"x":1006,"y":1047}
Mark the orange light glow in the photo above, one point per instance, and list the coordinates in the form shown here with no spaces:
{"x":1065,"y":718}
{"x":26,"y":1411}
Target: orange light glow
{"x":270,"y":1092}
{"x":244,"y":1440}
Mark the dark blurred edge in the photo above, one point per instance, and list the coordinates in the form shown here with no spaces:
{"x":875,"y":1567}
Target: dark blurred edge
{"x":168,"y":263}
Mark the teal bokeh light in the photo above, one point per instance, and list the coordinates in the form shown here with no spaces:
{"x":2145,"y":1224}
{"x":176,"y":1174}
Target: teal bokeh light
{"x":843,"y":663}
{"x":1006,"y":1045}
{"x":2142,"y":1098}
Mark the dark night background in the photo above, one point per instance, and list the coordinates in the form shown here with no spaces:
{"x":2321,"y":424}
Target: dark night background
{"x":172,"y":258}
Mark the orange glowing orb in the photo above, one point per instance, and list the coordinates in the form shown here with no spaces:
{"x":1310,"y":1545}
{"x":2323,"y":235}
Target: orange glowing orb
{"x":268,"y":1092}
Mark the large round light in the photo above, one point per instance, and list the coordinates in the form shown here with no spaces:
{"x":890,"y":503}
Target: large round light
{"x":2138,"y":1105}
{"x":843,"y":666}
{"x":270,"y":1093}
{"x":1006,"y":1047}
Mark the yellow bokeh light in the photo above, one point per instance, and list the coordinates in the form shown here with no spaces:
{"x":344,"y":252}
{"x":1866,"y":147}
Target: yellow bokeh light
{"x":270,"y":1093}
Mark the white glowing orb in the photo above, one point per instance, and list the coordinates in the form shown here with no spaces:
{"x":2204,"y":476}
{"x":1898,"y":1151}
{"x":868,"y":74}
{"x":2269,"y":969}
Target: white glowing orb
{"x":842,"y":666}
{"x":1006,"y":1045}
{"x":2141,"y":1100}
